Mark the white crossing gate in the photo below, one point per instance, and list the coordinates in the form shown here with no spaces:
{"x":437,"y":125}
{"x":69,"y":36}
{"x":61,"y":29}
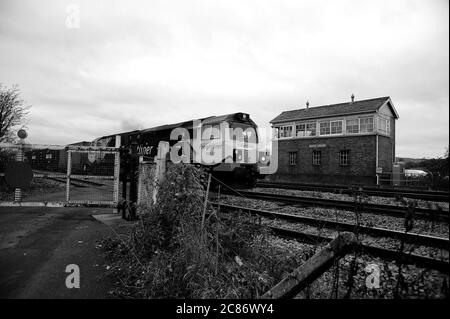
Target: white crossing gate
{"x":60,"y":175}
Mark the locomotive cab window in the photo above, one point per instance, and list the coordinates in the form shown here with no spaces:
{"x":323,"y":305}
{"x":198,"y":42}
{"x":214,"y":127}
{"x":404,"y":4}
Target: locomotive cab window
{"x":210,"y":132}
{"x":244,"y":133}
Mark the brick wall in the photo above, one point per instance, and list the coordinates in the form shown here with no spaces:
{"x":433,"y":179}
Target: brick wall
{"x":361,"y":168}
{"x":385,"y":153}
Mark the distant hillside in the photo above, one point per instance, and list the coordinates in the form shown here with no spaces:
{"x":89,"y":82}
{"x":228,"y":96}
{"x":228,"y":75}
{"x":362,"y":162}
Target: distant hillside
{"x":409,"y":159}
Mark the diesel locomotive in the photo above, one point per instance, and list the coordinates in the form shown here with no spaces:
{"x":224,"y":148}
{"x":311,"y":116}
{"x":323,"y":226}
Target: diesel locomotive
{"x":227,"y":145}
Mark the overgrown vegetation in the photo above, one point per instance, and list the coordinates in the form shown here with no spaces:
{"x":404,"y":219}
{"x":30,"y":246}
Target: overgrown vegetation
{"x":168,"y":254}
{"x":438,"y":169}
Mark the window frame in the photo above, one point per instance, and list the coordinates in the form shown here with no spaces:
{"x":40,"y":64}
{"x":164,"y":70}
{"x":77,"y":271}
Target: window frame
{"x":366,"y":125}
{"x":298,"y":130}
{"x":320,"y":128}
{"x":344,"y":154}
{"x":387,"y":125}
{"x":352,"y":125}
{"x":292,"y":158}
{"x":317,"y":157}
{"x":213,"y":128}
{"x":283,"y":129}
{"x":313,"y":131}
{"x":331,"y":125}
{"x":308,"y":127}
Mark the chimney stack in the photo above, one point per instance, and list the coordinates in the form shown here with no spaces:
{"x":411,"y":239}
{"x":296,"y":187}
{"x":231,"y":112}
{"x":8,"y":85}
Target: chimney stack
{"x":307,"y":105}
{"x":353,"y":97}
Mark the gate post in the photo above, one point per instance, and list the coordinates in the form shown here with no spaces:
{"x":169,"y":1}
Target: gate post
{"x":163,"y":149}
{"x":22,"y":134}
{"x":133,"y":166}
{"x":116,"y":171}
{"x":69,"y":170}
{"x":19,"y":158}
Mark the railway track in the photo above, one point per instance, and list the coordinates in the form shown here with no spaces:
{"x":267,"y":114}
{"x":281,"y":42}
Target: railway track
{"x":426,"y":240}
{"x":75,"y":182}
{"x":384,"y":253}
{"x":62,"y":178}
{"x":383,"y":192}
{"x":421,"y":261}
{"x":388,"y":210}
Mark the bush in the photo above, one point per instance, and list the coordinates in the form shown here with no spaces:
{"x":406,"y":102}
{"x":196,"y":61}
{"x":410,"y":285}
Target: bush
{"x":168,"y":254}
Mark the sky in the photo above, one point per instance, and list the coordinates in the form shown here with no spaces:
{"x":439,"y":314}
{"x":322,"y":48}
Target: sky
{"x":96,"y":67}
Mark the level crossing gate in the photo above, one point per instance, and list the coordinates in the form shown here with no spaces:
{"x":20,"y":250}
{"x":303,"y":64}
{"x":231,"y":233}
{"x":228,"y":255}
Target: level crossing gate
{"x":58,"y":175}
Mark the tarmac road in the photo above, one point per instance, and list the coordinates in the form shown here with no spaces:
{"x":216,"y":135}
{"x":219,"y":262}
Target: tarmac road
{"x":37,"y":243}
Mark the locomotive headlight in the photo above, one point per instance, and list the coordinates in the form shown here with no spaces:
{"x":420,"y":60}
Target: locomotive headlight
{"x":264,"y":159}
{"x":243,"y":116}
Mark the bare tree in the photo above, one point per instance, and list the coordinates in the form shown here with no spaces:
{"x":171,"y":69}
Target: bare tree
{"x":12,"y":112}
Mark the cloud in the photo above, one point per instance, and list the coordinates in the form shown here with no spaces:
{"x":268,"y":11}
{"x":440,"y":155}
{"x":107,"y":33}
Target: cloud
{"x":146,"y":63}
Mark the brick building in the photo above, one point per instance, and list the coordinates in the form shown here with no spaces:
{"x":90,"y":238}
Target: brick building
{"x":345,"y":143}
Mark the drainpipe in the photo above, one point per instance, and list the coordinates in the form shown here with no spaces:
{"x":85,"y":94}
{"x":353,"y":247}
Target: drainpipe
{"x":376,"y":158}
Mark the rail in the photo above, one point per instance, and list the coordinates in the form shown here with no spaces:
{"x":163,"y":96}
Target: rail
{"x":380,"y":252}
{"x":389,"y":210}
{"x":426,"y":240}
{"x":383,"y":192}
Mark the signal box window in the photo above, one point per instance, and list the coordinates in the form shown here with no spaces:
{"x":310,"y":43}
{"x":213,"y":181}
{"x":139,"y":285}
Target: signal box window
{"x":285,"y":131}
{"x":384,"y":126}
{"x":317,"y":157}
{"x":336,"y":127}
{"x":366,"y":124}
{"x":344,"y":157}
{"x":305,"y":129}
{"x":292,"y":158}
{"x":352,"y":126}
{"x":324,"y":128}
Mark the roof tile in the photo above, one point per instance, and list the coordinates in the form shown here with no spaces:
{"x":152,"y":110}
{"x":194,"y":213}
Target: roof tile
{"x":362,"y":106}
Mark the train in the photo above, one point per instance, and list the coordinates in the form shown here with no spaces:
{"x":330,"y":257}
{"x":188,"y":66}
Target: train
{"x":227,"y":145}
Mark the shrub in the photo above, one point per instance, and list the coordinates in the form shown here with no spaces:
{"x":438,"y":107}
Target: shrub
{"x":168,"y":254}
